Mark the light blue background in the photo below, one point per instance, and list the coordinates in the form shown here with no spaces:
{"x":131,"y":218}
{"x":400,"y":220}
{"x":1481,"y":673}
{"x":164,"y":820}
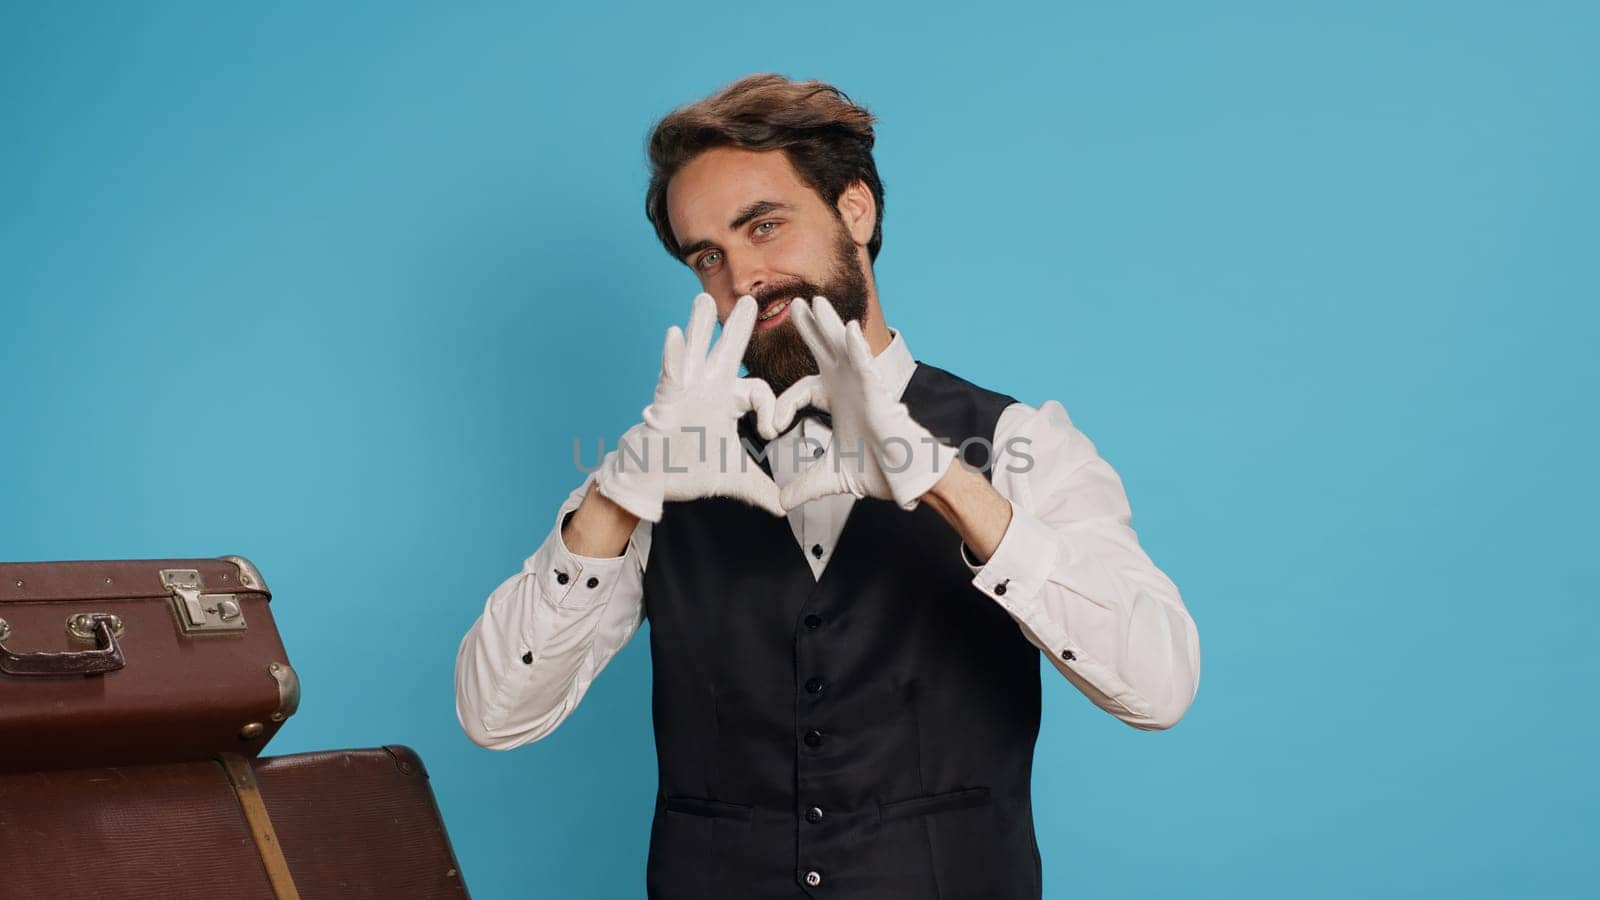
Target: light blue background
{"x":336,"y":288}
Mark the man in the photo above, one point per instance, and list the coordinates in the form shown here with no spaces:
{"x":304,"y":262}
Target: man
{"x":845,"y":620}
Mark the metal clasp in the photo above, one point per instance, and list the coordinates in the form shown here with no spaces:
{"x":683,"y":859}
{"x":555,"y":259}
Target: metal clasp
{"x":199,"y":612}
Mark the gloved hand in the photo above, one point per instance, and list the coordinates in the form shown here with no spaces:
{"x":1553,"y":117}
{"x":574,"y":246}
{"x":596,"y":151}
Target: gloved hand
{"x":688,"y":445}
{"x":898,"y":459}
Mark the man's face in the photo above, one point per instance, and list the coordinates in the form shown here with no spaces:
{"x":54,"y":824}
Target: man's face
{"x":748,"y":225}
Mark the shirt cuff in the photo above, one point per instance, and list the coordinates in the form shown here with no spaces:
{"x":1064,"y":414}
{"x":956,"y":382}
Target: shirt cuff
{"x":1022,"y":561}
{"x":570,"y":580}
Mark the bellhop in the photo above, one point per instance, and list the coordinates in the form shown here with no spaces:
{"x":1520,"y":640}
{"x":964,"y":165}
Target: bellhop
{"x":848,"y":610}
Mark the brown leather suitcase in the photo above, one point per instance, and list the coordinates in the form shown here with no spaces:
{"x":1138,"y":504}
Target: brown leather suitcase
{"x":133,"y":661}
{"x":340,"y":825}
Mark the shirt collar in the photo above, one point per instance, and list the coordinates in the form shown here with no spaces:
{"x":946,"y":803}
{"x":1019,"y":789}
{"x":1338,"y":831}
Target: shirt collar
{"x":894,"y":364}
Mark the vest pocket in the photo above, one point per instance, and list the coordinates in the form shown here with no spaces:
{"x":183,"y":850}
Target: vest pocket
{"x":932,"y":803}
{"x":712,"y":809}
{"x":691,"y":843}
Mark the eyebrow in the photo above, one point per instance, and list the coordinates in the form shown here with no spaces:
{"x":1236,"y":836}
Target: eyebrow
{"x":758,"y":208}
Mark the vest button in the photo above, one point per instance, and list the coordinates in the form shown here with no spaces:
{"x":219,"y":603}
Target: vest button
{"x":816,"y":453}
{"x":814,"y":814}
{"x":593,"y":582}
{"x":1001,"y":587}
{"x":816,"y":550}
{"x":813,"y":738}
{"x":813,"y":878}
{"x":561,"y":577}
{"x":813,"y":621}
{"x":814,"y":685}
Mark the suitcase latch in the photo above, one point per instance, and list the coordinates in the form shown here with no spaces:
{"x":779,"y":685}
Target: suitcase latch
{"x":200,"y":612}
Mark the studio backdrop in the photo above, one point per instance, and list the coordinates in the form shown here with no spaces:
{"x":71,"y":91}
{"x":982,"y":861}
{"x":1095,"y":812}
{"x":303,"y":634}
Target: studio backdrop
{"x":337,"y":287}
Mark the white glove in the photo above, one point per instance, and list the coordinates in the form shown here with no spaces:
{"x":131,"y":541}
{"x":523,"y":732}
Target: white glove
{"x":877,"y":449}
{"x":688,"y":445}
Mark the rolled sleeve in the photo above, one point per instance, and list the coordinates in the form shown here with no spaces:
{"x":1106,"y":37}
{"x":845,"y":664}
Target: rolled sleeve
{"x":572,"y":581}
{"x":544,"y":635}
{"x":1021,"y":562}
{"x":1070,"y":570}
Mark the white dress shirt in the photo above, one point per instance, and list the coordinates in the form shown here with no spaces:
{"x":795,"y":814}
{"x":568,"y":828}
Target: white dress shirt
{"x":1069,"y":570}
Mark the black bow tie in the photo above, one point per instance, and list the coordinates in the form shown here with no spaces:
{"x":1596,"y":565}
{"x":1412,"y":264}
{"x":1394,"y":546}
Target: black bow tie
{"x":820,"y":415}
{"x":747,"y":428}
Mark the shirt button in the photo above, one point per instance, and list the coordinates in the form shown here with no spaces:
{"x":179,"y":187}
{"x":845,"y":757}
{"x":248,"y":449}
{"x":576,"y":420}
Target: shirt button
{"x":528,"y":657}
{"x":816,"y":550}
{"x":593,"y":582}
{"x":1068,"y":654}
{"x":814,"y":814}
{"x":813,"y":738}
{"x":561,"y":577}
{"x":1001,"y":587}
{"x":814,"y":685}
{"x":813,"y":621}
{"x":816,"y":453}
{"x":813,"y":878}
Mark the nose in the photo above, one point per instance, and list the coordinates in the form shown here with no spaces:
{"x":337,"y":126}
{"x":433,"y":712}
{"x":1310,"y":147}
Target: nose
{"x":748,"y":273}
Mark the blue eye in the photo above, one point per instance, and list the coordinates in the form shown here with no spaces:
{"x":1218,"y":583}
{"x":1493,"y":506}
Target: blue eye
{"x":704,"y":260}
{"x":764,"y":225}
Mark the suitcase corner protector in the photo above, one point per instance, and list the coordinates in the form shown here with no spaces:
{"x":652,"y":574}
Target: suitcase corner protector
{"x":249,"y":575}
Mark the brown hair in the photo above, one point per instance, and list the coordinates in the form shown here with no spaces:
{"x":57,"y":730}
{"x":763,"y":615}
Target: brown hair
{"x":826,"y":137}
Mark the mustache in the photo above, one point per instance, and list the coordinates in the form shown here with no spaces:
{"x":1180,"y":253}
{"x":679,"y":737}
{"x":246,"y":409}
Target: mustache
{"x":787,"y":291}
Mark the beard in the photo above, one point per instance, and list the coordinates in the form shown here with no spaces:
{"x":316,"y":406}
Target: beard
{"x":778,"y":355}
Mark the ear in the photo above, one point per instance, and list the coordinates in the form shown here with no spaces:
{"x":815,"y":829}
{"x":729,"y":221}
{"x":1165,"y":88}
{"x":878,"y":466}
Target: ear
{"x":858,"y":211}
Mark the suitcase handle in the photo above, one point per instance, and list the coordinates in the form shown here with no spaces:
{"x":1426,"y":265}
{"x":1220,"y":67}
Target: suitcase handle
{"x":106,"y":657}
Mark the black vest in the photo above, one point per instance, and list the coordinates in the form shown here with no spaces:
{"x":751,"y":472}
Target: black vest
{"x":873,"y":729}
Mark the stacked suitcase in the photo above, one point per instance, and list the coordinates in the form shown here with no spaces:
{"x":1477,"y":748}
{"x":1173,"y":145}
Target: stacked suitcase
{"x":135,"y":700}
